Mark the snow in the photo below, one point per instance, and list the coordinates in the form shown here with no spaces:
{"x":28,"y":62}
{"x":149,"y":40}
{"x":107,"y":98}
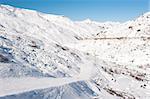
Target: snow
{"x":23,"y":84}
{"x":45,"y":56}
{"x":20,"y":85}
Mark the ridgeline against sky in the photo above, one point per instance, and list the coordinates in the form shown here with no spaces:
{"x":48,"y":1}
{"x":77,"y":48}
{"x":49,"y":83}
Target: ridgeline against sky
{"x":99,"y":10}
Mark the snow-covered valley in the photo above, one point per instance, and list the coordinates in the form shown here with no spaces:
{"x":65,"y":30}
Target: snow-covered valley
{"x":44,"y":56}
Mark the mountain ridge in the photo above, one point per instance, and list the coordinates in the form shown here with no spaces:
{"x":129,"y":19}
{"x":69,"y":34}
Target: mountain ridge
{"x":38,"y":45}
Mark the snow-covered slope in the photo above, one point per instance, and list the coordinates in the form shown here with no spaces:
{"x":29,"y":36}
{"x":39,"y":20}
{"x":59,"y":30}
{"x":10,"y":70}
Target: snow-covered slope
{"x":31,"y":45}
{"x":126,"y":43}
{"x":51,"y":57}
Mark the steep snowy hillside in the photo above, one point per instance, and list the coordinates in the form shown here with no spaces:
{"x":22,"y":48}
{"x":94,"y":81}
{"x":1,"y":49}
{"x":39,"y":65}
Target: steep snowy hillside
{"x":32,"y":46}
{"x":45,"y":56}
{"x":126,"y":43}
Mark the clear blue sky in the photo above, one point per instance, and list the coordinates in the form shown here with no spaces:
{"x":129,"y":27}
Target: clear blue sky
{"x":99,"y":10}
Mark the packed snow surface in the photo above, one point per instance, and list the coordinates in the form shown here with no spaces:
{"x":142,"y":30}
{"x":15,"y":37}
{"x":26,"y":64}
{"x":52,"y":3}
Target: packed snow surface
{"x":44,"y":56}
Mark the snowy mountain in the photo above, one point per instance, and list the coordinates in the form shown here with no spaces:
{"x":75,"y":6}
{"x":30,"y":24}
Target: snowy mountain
{"x":45,"y":56}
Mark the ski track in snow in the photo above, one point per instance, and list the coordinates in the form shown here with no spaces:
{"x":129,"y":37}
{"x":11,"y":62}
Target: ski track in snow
{"x":19,"y":85}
